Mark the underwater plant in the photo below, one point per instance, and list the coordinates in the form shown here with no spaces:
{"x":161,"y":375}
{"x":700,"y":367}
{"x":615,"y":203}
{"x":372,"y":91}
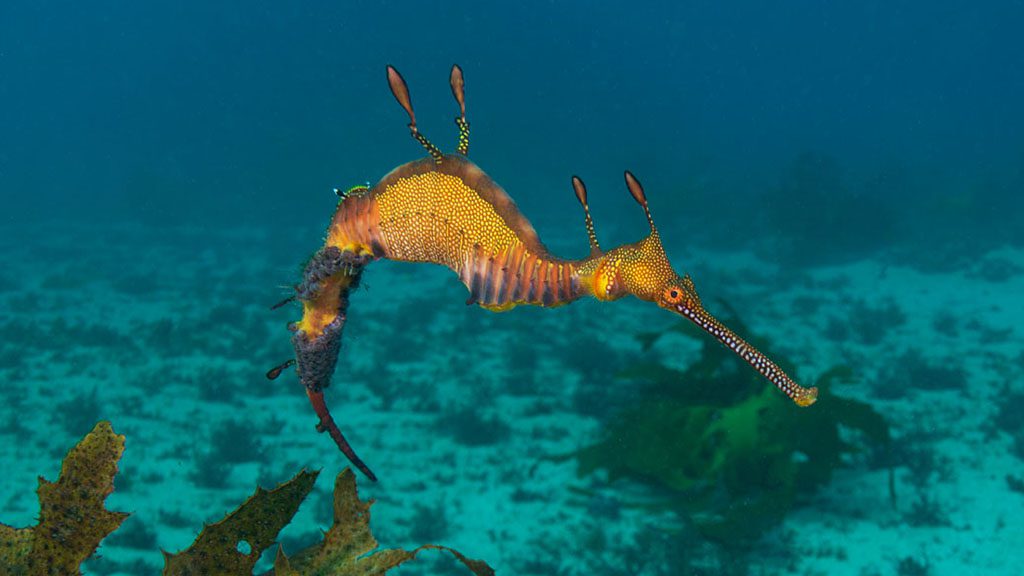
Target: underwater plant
{"x":72,"y":516}
{"x":729,"y":456}
{"x":443,"y":209}
{"x":73,"y":520}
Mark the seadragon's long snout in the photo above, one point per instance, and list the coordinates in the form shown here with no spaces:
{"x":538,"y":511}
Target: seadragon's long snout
{"x":693,"y":311}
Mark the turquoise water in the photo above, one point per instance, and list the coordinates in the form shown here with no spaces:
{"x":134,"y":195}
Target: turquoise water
{"x":842,"y":182}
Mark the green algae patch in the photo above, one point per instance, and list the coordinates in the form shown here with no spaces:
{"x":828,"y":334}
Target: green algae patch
{"x":72,"y":516}
{"x":726,"y":451}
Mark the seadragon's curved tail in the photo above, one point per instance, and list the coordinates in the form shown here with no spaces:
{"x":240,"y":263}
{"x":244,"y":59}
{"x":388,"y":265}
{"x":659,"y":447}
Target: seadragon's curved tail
{"x":329,"y":278}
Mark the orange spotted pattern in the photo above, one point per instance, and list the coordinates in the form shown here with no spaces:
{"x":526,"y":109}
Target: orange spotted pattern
{"x":435,"y":217}
{"x":426,"y":213}
{"x":451,"y":213}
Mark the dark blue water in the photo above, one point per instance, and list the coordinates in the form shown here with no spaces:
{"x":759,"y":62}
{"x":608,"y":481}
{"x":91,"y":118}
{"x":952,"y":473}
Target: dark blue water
{"x":874,"y":135}
{"x":255,"y":107}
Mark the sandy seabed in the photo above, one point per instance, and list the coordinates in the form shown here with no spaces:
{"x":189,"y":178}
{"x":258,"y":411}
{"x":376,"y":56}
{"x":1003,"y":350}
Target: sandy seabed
{"x":464,"y":414}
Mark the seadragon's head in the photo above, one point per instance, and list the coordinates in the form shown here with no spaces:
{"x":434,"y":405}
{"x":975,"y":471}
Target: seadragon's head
{"x":642,"y":269}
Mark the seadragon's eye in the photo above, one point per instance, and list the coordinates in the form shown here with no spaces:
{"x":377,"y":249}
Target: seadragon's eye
{"x":673,"y":295}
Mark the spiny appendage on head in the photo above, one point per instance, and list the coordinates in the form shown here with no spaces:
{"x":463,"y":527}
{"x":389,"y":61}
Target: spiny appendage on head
{"x":643,"y":270}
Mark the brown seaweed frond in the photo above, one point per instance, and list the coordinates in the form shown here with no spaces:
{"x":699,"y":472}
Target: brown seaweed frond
{"x":349,"y":547}
{"x":72,"y":516}
{"x":73,"y":521}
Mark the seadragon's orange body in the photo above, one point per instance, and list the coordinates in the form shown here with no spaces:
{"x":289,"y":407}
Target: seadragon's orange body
{"x":445,"y":210}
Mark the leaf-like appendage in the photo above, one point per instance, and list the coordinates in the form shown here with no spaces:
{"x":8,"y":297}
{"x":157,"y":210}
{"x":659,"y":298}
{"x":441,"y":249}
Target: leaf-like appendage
{"x":347,"y":546}
{"x":219,"y":547}
{"x":72,"y":519}
{"x":282,"y":567}
{"x":478,"y":567}
{"x":15,"y":545}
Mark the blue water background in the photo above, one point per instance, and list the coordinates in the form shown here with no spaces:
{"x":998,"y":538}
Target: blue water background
{"x":251,"y":110}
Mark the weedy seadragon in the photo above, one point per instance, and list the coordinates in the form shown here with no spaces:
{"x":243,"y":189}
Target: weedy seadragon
{"x":445,"y":210}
